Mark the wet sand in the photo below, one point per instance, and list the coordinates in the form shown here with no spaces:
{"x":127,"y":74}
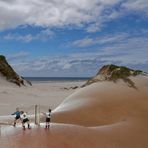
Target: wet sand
{"x":122,"y":135}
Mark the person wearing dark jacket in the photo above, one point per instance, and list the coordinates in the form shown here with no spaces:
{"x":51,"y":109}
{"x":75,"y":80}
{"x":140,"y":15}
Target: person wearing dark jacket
{"x":17,"y":116}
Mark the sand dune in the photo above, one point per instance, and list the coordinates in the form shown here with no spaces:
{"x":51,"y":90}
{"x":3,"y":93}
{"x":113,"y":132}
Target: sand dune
{"x":105,"y":103}
{"x":113,"y":114}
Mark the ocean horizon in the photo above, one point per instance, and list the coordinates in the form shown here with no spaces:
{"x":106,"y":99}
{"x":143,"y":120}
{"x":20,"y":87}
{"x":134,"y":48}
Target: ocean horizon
{"x":56,"y":79}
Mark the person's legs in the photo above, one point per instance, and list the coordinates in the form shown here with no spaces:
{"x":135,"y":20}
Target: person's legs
{"x":48,"y":124}
{"x":23,"y":125}
{"x":16,"y":120}
{"x":28,"y":124}
{"x":14,"y":124}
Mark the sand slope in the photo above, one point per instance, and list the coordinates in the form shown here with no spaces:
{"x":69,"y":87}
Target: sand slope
{"x":105,"y":103}
{"x":116,"y":114}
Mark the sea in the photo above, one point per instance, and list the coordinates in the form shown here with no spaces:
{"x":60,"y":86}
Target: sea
{"x":56,"y":79}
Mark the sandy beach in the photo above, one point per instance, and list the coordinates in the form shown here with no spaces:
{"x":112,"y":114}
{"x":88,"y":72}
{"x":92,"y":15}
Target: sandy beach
{"x":49,"y":94}
{"x":104,"y":114}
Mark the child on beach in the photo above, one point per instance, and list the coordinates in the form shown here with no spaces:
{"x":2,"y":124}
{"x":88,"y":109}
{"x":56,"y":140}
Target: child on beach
{"x":25,"y":119}
{"x":48,"y":117}
{"x":17,"y":116}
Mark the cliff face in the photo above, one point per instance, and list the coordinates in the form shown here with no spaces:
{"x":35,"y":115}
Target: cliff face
{"x":7,"y":71}
{"x":114,"y":73}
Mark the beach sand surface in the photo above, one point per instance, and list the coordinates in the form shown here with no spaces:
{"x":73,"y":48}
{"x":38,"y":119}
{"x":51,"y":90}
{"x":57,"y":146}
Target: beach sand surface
{"x":102,"y":115}
{"x":49,"y":94}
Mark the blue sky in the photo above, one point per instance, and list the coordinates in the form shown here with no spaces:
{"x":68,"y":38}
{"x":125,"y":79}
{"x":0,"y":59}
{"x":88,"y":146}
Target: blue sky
{"x":73,"y":37}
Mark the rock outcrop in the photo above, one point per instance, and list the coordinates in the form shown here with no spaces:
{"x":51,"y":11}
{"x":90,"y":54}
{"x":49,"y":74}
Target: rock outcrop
{"x":7,"y":72}
{"x":114,"y":73}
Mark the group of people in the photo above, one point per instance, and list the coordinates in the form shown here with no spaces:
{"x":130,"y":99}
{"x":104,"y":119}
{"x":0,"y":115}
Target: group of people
{"x":23,"y":117}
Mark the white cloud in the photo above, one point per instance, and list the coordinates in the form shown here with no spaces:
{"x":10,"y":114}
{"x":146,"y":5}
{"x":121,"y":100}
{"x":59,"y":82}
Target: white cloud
{"x":43,"y":35}
{"x":83,"y":42}
{"x":108,"y":39}
{"x":136,"y":5}
{"x":132,"y":52}
{"x":18,"y":56}
{"x":60,"y":13}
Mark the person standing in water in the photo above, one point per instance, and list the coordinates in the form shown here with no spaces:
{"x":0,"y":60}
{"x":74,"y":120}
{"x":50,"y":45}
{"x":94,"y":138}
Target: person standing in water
{"x":48,"y":118}
{"x":25,"y":119}
{"x":17,"y":116}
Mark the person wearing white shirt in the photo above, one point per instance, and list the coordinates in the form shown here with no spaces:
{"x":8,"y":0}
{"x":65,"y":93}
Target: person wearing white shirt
{"x":48,"y":118}
{"x":24,"y":119}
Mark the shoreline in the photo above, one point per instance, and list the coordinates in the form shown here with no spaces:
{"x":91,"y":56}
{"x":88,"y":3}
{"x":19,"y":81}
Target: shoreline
{"x":56,"y":79}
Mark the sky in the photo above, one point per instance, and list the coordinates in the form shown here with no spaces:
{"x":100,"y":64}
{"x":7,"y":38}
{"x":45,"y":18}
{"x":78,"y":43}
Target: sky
{"x":73,"y":38}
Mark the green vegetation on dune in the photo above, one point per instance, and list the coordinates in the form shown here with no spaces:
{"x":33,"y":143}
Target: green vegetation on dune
{"x":114,"y":73}
{"x":7,"y":71}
